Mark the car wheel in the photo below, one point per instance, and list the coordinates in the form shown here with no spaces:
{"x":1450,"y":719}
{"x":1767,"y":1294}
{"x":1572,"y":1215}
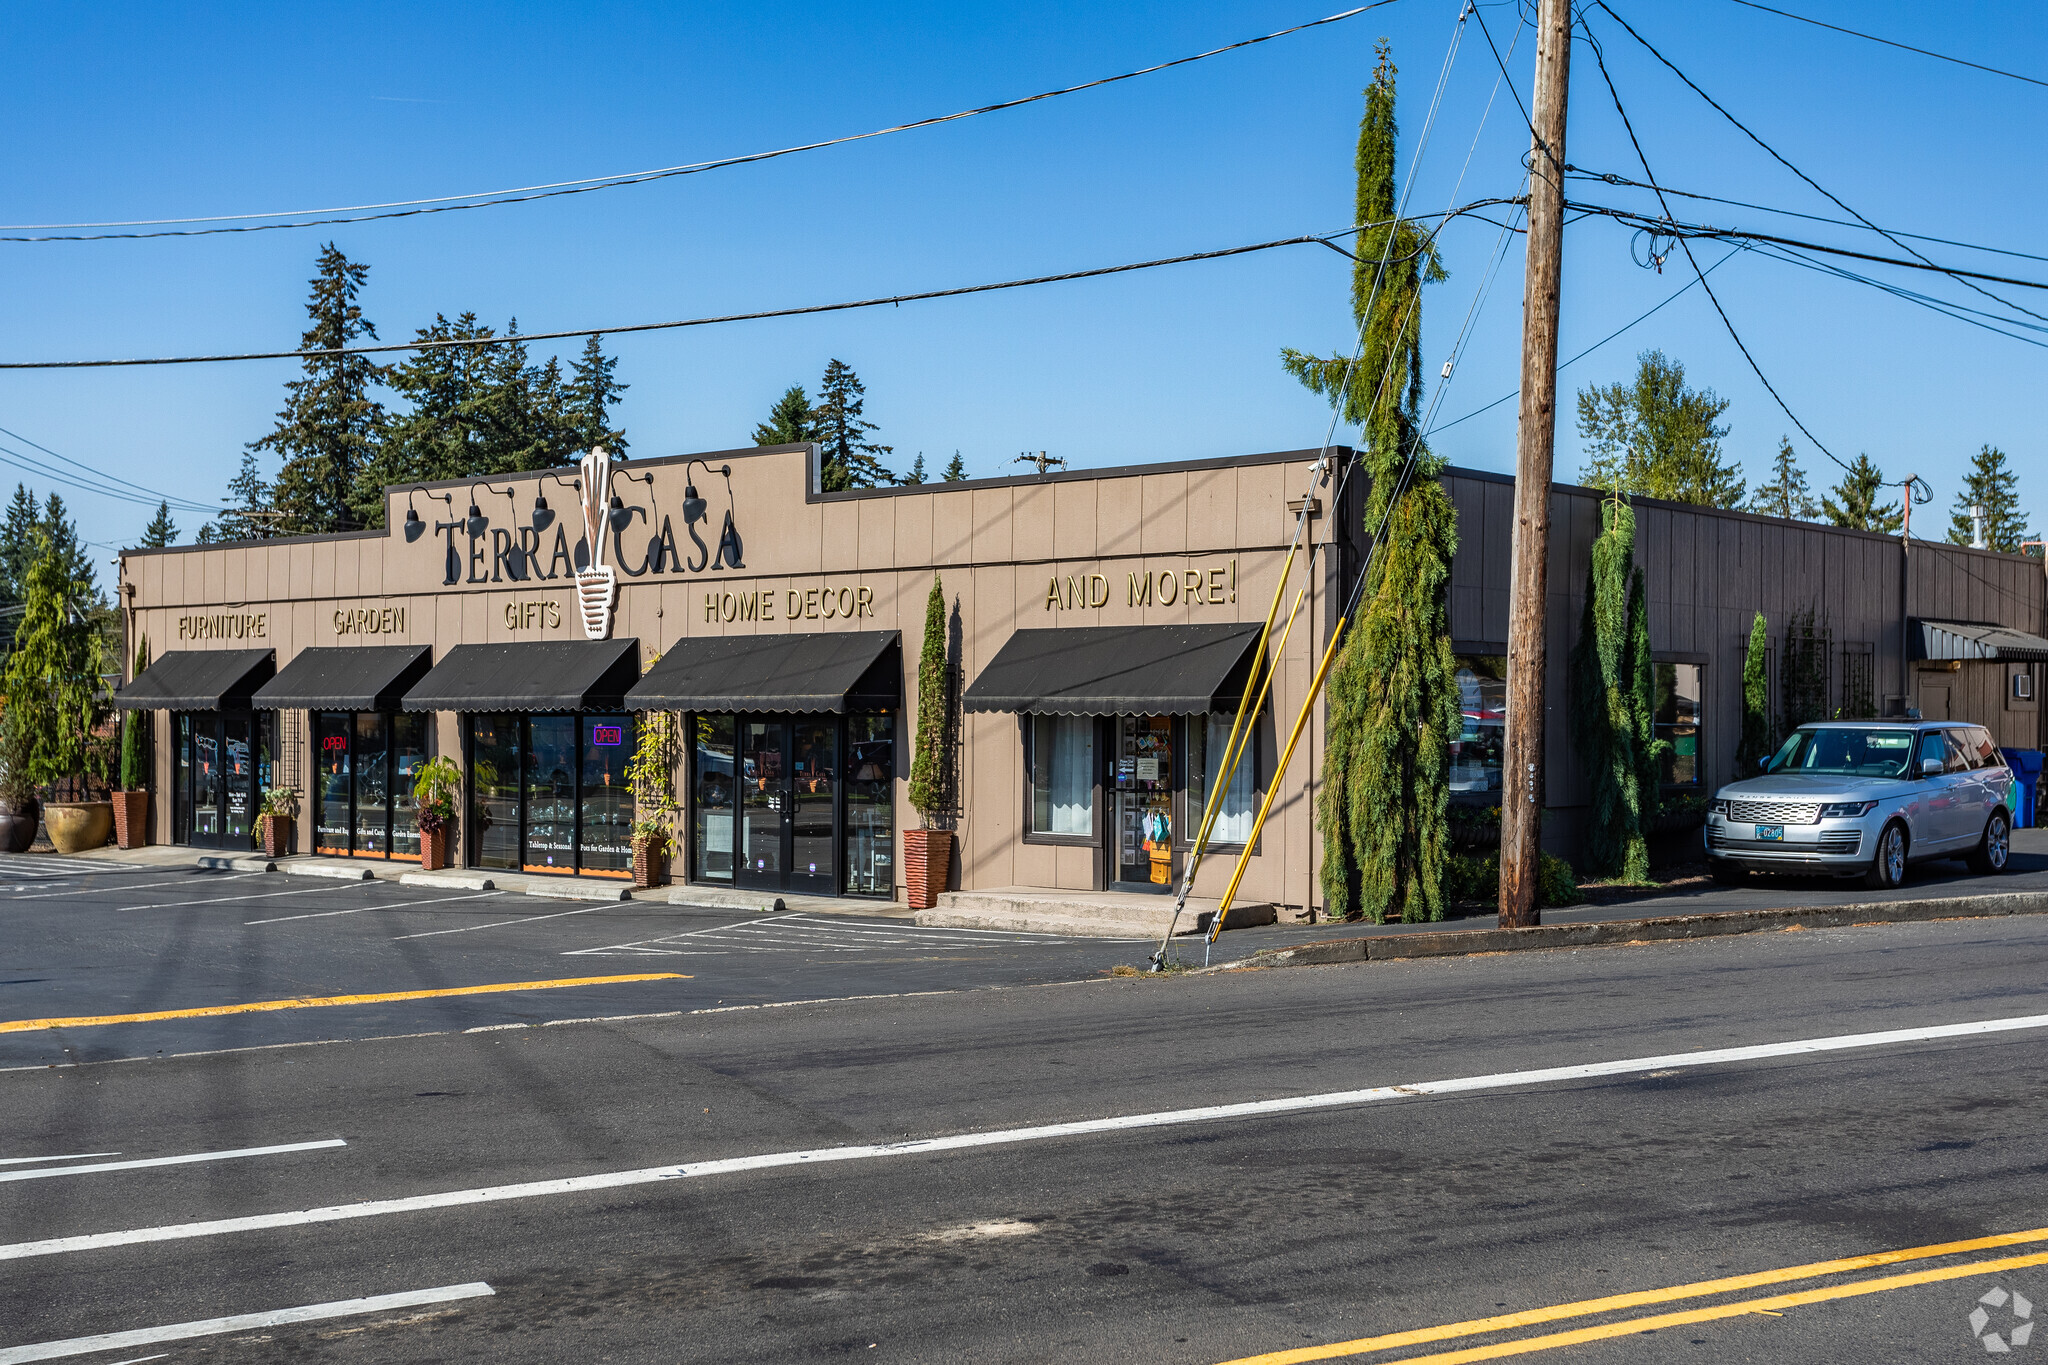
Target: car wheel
{"x":1727,"y":873}
{"x":1888,"y":869}
{"x":1991,"y":854}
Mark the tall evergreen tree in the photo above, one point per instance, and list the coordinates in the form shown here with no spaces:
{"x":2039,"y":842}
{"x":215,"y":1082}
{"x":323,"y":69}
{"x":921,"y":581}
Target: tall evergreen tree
{"x":18,"y":544}
{"x":1859,"y":500}
{"x":73,"y":556}
{"x":1657,"y":437}
{"x":851,"y":459}
{"x":1614,"y":700}
{"x":1393,"y":695}
{"x":1759,"y":735}
{"x":955,"y":470}
{"x":52,"y":680}
{"x":1785,"y":493}
{"x":791,"y":422}
{"x":327,"y":428}
{"x":915,"y":474}
{"x":591,"y":394}
{"x":161,"y":530}
{"x":1993,"y":485}
{"x":248,"y":513}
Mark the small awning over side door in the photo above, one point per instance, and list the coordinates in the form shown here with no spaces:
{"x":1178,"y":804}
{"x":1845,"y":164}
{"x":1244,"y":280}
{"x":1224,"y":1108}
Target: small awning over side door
{"x":1119,"y":670}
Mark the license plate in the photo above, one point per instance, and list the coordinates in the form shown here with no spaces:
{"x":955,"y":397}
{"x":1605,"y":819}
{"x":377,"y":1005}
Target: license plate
{"x":1768,"y":832}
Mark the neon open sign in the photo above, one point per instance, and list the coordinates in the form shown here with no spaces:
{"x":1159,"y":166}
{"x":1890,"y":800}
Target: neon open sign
{"x":334,"y":744}
{"x":607,"y":735}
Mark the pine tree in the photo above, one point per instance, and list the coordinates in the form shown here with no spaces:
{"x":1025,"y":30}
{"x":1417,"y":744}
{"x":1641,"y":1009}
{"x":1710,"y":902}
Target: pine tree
{"x":955,"y":470}
{"x":1862,"y":505}
{"x":1657,"y":437}
{"x":915,"y":474}
{"x":1393,"y":696}
{"x":851,"y":459}
{"x":73,"y":556}
{"x":591,"y":394}
{"x":247,"y":513}
{"x":1993,"y":485}
{"x":18,"y":545}
{"x":327,"y":429}
{"x":161,"y":530}
{"x":791,"y":422}
{"x":1785,"y":493}
{"x":1613,"y":702}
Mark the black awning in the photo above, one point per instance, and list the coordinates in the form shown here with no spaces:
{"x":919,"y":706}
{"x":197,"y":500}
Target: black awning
{"x":547,"y":675}
{"x":199,"y":680}
{"x":362,"y":678}
{"x":1115,"y":670}
{"x":1977,"y":640}
{"x":859,"y":670}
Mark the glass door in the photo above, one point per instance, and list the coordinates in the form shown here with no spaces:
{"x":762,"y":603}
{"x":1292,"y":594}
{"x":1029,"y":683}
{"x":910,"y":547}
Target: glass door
{"x":607,"y":845}
{"x":764,"y":805}
{"x":551,"y":794}
{"x":370,"y":757}
{"x":1144,"y":803}
{"x":409,"y":740}
{"x":331,"y":818}
{"x":206,"y":780}
{"x":870,"y":782}
{"x":494,"y":776}
{"x":814,"y":792}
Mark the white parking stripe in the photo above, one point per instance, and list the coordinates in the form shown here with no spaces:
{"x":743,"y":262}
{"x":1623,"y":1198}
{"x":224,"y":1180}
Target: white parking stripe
{"x":499,"y":924}
{"x":135,"y":886}
{"x":222,"y":900}
{"x":35,"y":1160}
{"x":1248,"y":1109}
{"x":357,"y":910}
{"x":186,"y":1160}
{"x":213,"y":1327}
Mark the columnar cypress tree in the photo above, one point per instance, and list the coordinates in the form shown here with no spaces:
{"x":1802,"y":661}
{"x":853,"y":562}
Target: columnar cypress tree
{"x":1613,"y":702}
{"x":1758,"y":736}
{"x":1393,"y":699}
{"x":928,"y":759}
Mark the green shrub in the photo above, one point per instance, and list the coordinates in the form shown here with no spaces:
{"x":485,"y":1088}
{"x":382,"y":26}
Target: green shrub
{"x":1468,"y":878}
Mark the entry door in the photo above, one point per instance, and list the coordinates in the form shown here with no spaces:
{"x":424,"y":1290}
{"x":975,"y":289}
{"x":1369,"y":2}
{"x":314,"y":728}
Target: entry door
{"x":789,"y":798}
{"x":765,"y":814}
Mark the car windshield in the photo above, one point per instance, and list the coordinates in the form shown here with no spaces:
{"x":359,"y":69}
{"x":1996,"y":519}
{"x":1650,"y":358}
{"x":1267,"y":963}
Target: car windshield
{"x":1845,"y":752}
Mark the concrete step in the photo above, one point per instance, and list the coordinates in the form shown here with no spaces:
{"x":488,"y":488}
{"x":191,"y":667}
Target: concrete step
{"x":1086,"y":914}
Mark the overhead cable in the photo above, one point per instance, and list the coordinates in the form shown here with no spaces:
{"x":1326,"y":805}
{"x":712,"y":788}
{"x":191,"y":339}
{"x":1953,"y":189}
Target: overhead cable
{"x":154,"y":493}
{"x":1903,"y":47}
{"x":407,"y":208}
{"x":621,"y":329}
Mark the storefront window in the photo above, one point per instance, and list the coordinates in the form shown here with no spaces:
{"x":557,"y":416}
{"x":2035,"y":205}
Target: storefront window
{"x":330,"y":821}
{"x":1208,"y":744}
{"x":238,"y":775}
{"x":712,"y":804}
{"x":1063,"y":775}
{"x":1476,"y":753}
{"x":409,"y":750}
{"x":181,"y":815}
{"x":550,"y":794}
{"x":373,"y":782}
{"x":1678,"y":721}
{"x":494,"y":773}
{"x":871,"y":805}
{"x":607,"y":797}
{"x":1144,"y":799}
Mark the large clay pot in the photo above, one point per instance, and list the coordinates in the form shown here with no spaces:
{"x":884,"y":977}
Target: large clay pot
{"x":131,"y":819}
{"x":76,"y":826}
{"x":434,"y":849}
{"x":650,"y":862}
{"x":927,"y":862}
{"x":18,"y":825}
{"x":277,"y":836}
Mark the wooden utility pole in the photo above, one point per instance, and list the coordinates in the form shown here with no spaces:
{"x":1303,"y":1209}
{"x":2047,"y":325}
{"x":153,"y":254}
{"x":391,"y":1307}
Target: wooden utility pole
{"x":1521,"y":798}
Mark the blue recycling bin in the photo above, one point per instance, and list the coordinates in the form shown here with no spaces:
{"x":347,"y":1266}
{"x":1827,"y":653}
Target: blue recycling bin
{"x":2026,"y":766}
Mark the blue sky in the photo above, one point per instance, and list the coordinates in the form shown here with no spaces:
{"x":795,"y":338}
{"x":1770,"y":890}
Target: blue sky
{"x":129,"y":111}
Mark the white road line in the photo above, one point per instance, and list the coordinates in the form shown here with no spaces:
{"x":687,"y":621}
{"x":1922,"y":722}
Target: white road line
{"x":222,"y":900}
{"x":138,"y":886}
{"x":396,"y":905}
{"x":27,"y":1160}
{"x":185,"y":1160}
{"x":1295,"y":1104}
{"x":499,"y":924}
{"x":213,"y":1327}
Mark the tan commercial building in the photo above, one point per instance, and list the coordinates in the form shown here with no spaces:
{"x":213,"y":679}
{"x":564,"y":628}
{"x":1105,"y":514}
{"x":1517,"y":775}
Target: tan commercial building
{"x":1100,"y":627}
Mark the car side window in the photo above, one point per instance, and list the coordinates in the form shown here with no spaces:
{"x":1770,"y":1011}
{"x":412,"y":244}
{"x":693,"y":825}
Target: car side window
{"x":1987,"y":752}
{"x":1932,"y":746}
{"x":1960,"y":759}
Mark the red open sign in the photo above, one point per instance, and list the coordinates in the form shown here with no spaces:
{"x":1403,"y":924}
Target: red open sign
{"x":607,"y":735}
{"x":334,"y":744}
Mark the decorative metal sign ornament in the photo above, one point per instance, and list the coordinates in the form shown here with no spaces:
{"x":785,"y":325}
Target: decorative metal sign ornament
{"x":597,"y":584}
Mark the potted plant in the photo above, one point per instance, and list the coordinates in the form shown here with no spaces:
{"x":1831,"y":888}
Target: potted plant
{"x":650,"y":776}
{"x":928,"y":852}
{"x":56,"y":701}
{"x":279,"y":819}
{"x":435,"y":786}
{"x":20,"y":811}
{"x":131,"y":799}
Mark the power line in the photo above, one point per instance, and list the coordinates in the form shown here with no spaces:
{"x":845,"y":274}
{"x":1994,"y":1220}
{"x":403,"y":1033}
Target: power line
{"x":1904,"y":47}
{"x":407,"y":208}
{"x":158,"y":494}
{"x":892,"y":299}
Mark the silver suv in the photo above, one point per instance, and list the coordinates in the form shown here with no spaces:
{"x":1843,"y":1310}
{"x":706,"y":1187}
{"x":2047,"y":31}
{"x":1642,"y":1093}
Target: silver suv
{"x":1848,"y":798}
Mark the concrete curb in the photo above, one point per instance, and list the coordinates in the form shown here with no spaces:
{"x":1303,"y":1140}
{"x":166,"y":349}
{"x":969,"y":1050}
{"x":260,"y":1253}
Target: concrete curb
{"x":340,"y":874}
{"x":1607,"y":933}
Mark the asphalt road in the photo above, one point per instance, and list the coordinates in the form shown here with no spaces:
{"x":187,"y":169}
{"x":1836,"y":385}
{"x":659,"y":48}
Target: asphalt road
{"x":1198,"y":1238}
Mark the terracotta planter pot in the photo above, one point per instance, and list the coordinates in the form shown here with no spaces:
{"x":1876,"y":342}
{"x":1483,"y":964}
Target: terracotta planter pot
{"x":76,"y":826}
{"x":650,"y":863}
{"x":131,"y":819}
{"x":434,"y":849}
{"x":18,"y":825}
{"x":277,"y":836}
{"x":927,"y":862}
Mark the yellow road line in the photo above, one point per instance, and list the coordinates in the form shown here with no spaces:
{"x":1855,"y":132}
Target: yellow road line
{"x":307,"y":1002}
{"x":1587,"y":1307}
{"x":1634,"y":1326}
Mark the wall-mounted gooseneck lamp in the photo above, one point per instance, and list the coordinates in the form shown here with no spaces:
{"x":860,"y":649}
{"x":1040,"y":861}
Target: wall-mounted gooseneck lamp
{"x":544,"y":515}
{"x":622,"y":515}
{"x":414,"y":527}
{"x":478,"y":522}
{"x":693,"y":505}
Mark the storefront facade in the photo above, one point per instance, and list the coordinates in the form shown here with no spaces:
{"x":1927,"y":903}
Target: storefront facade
{"x":1099,"y":626}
